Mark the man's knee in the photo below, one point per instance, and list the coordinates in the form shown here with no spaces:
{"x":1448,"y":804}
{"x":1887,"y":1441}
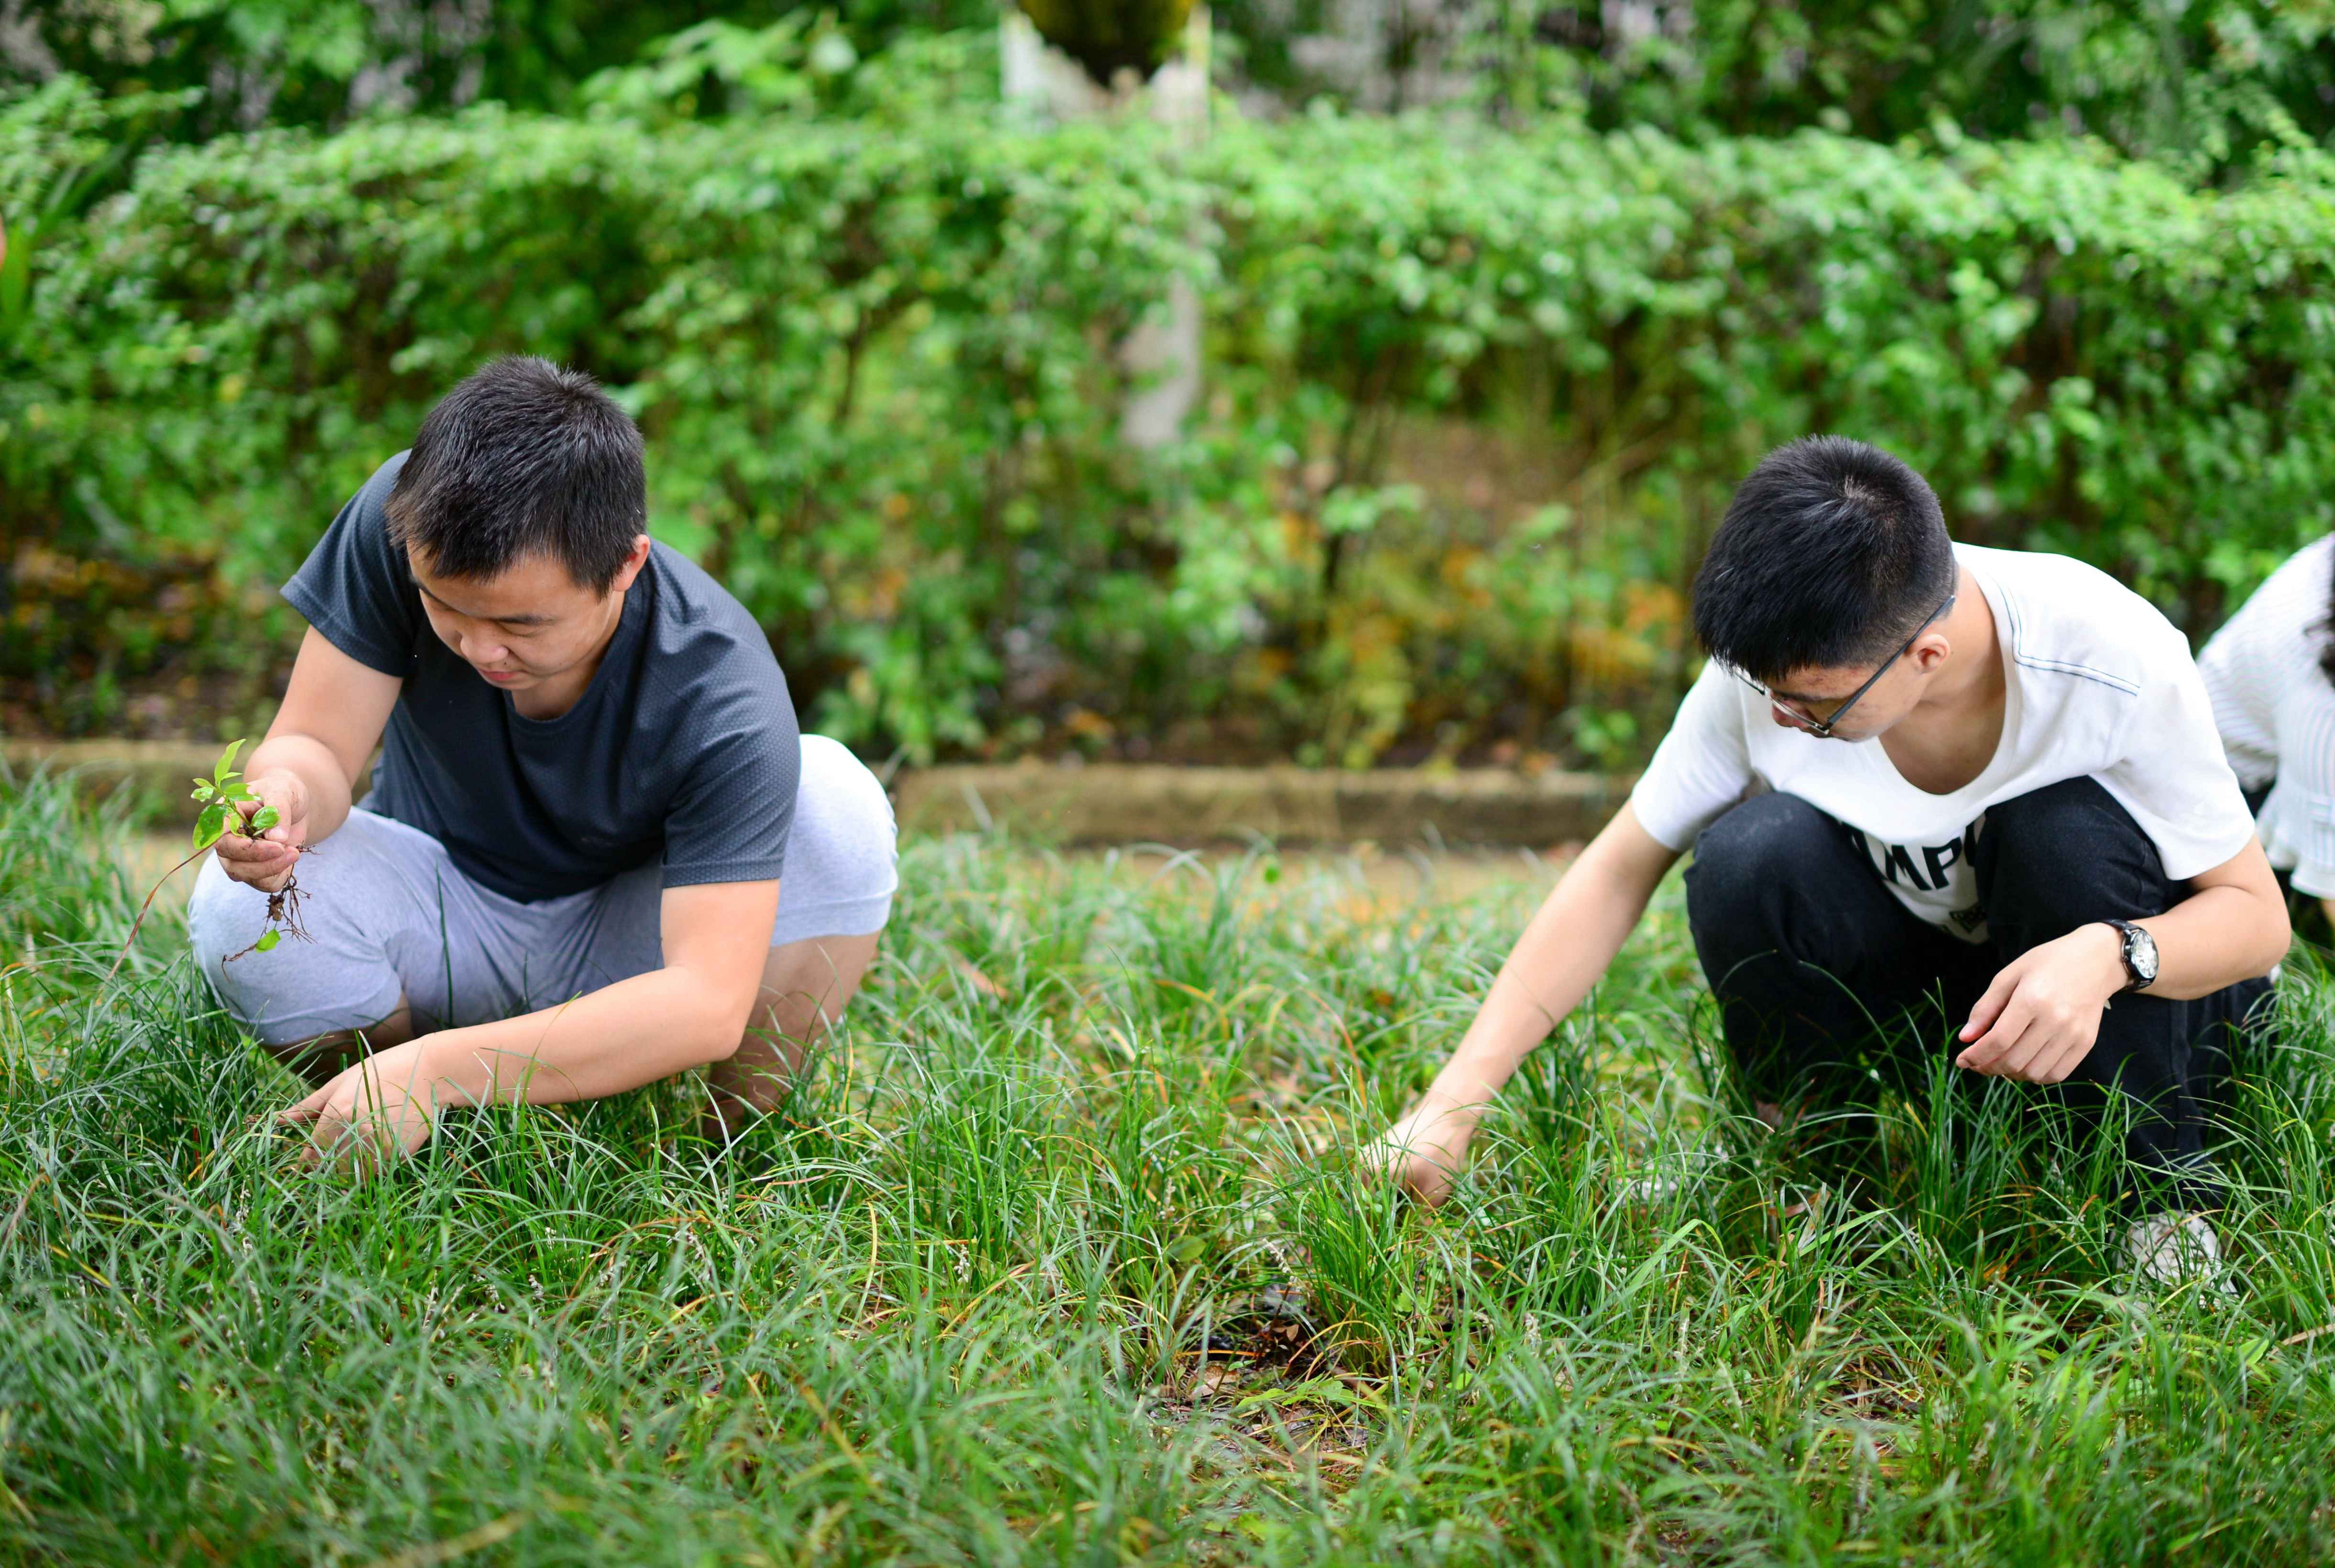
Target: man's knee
{"x":224,"y":917}
{"x":297,"y":990}
{"x":1742,"y":860}
{"x":842,"y":855}
{"x":224,"y":921}
{"x":2064,"y":855}
{"x":2036,"y":826}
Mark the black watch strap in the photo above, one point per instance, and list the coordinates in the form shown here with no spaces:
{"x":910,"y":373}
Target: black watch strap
{"x":2133,"y":978}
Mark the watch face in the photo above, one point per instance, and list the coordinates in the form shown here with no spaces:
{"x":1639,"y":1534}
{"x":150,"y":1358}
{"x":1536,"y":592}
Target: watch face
{"x":2140,"y":952}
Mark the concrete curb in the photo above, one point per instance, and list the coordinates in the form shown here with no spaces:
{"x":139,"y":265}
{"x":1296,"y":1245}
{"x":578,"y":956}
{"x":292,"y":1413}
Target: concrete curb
{"x":161,"y":768}
{"x":1122,"y":804}
{"x":1104,"y":803}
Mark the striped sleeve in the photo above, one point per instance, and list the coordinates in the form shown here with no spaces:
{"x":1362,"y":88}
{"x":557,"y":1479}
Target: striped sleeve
{"x":2239,"y":667}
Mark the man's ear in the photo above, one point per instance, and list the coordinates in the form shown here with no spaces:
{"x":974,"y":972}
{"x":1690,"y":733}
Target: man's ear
{"x":633,"y":565}
{"x":1930,"y":651}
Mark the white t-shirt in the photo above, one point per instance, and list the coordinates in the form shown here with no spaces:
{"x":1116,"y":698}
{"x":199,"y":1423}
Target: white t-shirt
{"x":2100,"y":685}
{"x":2277,"y":713}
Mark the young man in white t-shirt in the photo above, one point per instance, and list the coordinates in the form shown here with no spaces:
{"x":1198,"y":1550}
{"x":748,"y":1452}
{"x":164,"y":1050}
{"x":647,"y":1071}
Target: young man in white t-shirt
{"x":1913,"y":769}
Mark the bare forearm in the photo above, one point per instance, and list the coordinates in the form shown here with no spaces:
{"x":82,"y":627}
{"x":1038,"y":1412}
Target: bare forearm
{"x":693,"y":1011}
{"x":608,"y":1041}
{"x":1567,"y":946}
{"x":2215,"y":938}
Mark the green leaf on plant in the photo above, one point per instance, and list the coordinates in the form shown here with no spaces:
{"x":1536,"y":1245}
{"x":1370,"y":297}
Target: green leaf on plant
{"x":264,"y":818}
{"x":237,"y":790}
{"x":203,"y":791}
{"x":227,"y":761}
{"x":268,"y":939}
{"x":210,"y":825}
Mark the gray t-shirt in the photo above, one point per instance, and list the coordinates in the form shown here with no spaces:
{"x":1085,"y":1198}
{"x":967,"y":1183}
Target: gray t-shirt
{"x":684,"y":745}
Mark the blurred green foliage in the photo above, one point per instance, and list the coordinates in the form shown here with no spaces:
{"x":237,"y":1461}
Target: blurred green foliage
{"x":1475,"y":395}
{"x":2201,"y":82}
{"x":2198,"y":81}
{"x":320,"y":62}
{"x":2204,"y":83}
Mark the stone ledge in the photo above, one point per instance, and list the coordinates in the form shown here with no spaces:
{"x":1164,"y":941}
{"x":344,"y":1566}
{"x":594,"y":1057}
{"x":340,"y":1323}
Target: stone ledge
{"x":1103,"y":803}
{"x":161,"y":768}
{"x":1120,"y":804}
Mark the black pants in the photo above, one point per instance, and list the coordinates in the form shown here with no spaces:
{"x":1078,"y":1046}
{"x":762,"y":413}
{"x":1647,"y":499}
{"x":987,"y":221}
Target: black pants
{"x":1823,"y":977}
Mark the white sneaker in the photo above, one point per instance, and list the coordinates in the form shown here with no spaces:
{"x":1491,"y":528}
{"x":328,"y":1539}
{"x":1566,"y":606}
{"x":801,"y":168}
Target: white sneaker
{"x":2169,"y":1247}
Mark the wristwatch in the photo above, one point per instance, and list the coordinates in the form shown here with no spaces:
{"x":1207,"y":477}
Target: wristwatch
{"x":2139,"y":955}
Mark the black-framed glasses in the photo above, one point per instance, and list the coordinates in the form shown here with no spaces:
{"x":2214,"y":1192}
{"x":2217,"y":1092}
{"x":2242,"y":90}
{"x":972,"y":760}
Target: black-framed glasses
{"x":1823,"y":728}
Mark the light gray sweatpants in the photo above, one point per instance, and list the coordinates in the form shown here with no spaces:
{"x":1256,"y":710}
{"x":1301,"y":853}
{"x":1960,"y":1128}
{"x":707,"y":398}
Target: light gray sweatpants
{"x":391,"y":916}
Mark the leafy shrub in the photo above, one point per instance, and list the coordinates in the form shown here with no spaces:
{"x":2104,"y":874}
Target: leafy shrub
{"x":874,"y":357}
{"x":2206,"y":84}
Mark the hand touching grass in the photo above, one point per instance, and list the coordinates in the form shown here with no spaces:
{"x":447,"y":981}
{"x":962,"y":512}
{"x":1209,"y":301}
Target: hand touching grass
{"x":1427,"y":1147}
{"x":370,"y":1116}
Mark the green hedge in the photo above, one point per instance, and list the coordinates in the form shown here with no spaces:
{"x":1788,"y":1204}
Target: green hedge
{"x":874,"y":360}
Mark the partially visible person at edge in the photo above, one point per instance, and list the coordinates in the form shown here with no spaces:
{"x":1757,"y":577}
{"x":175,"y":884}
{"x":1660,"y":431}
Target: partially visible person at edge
{"x":1915,"y":771}
{"x":2271,"y":672}
{"x":596,"y":852}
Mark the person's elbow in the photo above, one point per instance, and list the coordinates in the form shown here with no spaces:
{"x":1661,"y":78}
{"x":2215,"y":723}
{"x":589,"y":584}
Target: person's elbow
{"x":1627,"y":860}
{"x":716,"y":946}
{"x":715,"y":1016}
{"x":2275,"y":932}
{"x":2258,"y":930}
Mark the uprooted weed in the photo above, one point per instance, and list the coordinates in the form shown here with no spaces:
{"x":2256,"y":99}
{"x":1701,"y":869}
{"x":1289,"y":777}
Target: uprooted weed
{"x":230,"y":809}
{"x":1062,"y":1255}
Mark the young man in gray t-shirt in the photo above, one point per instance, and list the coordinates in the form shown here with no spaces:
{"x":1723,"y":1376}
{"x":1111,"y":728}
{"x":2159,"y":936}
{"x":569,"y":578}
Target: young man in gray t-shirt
{"x":596,"y":851}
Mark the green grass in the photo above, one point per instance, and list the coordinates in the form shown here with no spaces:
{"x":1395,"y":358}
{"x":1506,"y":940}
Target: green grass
{"x":1059,"y":1258}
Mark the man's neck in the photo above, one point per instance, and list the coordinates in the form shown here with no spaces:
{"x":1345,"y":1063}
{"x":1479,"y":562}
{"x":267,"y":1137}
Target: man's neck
{"x":1953,"y":733}
{"x":1969,"y":685}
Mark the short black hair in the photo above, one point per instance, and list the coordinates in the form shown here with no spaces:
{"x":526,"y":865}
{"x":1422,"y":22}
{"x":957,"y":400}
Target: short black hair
{"x":523,"y":457}
{"x":1831,"y":554}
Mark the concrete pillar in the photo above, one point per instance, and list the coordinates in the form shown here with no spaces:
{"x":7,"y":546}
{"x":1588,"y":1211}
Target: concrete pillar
{"x":1163,"y":353}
